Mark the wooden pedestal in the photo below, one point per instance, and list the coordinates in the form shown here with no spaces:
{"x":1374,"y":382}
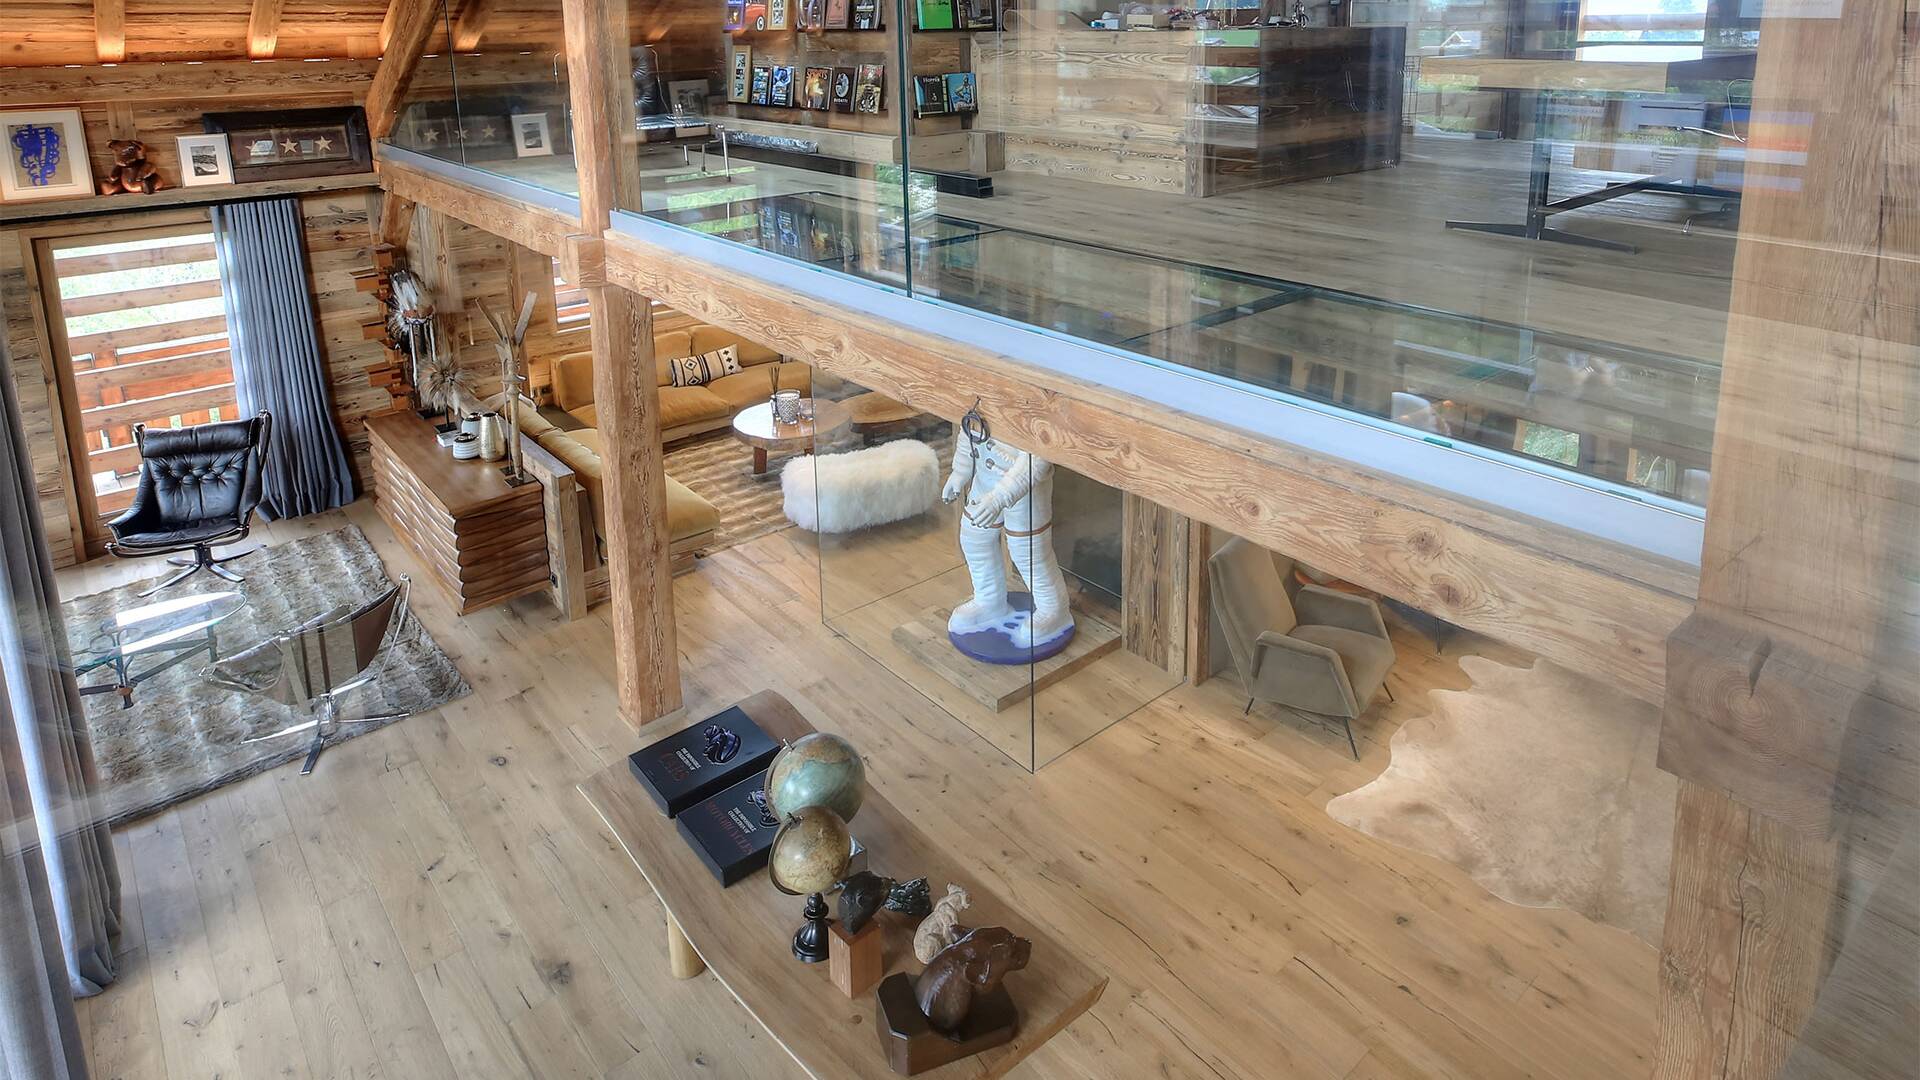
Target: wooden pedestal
{"x":855,"y":962}
{"x":913,"y":1047}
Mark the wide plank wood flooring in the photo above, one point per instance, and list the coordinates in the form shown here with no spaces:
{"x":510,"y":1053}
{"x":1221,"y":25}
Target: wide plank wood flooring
{"x":437,"y":900}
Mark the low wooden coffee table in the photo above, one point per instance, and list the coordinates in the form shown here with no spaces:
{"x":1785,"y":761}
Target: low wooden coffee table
{"x":745,"y":931}
{"x":756,"y":427}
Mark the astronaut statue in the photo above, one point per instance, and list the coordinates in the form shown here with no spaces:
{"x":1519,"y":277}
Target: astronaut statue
{"x":1008,"y":491}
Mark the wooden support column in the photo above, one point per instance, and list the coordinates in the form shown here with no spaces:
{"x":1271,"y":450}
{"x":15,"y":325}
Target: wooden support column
{"x":109,"y":30}
{"x":413,"y":22}
{"x":625,"y":392}
{"x":1792,"y":941}
{"x":396,"y":219}
{"x":1153,"y":591}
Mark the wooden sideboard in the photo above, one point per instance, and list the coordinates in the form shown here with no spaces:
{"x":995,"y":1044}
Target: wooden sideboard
{"x":480,"y":539}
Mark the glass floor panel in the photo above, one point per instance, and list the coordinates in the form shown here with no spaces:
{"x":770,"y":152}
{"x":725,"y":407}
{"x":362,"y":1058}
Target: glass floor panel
{"x":1628,"y":416}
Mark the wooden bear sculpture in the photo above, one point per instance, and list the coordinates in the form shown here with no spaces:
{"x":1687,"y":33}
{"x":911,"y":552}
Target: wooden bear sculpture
{"x":131,"y":170}
{"x":970,"y":967}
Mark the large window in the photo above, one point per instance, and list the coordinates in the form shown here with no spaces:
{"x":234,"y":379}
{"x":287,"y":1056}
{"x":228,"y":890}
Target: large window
{"x":144,"y":330}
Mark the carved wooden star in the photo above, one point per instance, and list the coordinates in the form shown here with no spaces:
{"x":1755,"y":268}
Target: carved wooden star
{"x":323,"y":143}
{"x":290,"y":146}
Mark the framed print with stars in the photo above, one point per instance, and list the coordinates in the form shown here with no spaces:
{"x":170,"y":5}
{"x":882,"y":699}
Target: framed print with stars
{"x":286,"y":144}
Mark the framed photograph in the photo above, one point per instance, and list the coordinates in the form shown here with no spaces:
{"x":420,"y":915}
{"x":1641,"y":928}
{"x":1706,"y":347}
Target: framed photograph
{"x":736,"y":16}
{"x":781,"y":95}
{"x":962,"y":92}
{"x":740,"y":73}
{"x":976,"y":14}
{"x":836,"y":18}
{"x":776,"y":14}
{"x":287,"y":144}
{"x":689,"y":97}
{"x":842,"y":91}
{"x":46,"y":155}
{"x":204,"y":160}
{"x":815,"y":94}
{"x":531,"y":135}
{"x":869,"y":94}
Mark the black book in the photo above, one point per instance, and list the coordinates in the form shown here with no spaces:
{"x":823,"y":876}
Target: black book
{"x":866,"y":14}
{"x":732,"y":831}
{"x":930,"y":94}
{"x":843,"y":89}
{"x":702,"y":760}
{"x":782,"y":92}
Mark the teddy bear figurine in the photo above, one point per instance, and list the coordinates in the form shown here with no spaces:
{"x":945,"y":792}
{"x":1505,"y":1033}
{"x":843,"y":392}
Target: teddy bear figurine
{"x":131,"y":170}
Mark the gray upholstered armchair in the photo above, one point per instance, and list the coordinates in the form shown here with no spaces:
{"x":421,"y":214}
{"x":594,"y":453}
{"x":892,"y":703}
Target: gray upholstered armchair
{"x":1303,"y":647}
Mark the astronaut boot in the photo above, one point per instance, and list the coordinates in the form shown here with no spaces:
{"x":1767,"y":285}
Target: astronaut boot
{"x":981,"y":548}
{"x":1051,"y":618}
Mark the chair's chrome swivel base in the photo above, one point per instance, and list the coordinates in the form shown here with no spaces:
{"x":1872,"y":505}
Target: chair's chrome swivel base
{"x":203,"y":559}
{"x":326,"y":720}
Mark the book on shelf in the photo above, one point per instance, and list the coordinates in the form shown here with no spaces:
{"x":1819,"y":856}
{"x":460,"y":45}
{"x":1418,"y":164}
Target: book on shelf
{"x":781,"y":92}
{"x":929,"y":95}
{"x":866,"y":14}
{"x":762,"y":82}
{"x":962,"y":92}
{"x":843,"y":89}
{"x":814,"y":94}
{"x":837,"y":16}
{"x":975,"y":14}
{"x":869,"y":92}
{"x":933,"y":14}
{"x":740,"y":75}
{"x":736,"y":16}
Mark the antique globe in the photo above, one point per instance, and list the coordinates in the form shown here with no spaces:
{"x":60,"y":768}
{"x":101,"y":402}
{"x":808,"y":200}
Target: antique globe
{"x":817,"y":770}
{"x":810,"y":852}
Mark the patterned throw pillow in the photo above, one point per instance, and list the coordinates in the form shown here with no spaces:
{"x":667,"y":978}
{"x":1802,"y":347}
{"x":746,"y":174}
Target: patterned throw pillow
{"x":703,"y":369}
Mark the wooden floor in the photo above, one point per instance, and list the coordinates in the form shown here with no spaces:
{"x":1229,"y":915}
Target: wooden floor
{"x":437,"y":900}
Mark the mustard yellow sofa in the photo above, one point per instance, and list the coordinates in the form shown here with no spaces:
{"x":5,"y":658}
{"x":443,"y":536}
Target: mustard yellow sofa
{"x":686,"y":411}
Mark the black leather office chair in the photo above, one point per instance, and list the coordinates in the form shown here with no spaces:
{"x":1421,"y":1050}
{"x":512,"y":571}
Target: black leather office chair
{"x":198,"y":488}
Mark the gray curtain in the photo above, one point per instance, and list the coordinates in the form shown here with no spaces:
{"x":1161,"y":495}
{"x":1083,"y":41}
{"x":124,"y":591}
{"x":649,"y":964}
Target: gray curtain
{"x":276,"y":354}
{"x":59,"y":889}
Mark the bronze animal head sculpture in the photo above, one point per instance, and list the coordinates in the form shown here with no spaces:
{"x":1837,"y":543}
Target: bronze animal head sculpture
{"x":969,"y":968}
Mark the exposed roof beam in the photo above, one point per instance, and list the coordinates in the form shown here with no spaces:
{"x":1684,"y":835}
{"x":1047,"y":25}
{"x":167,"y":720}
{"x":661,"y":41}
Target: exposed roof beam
{"x":110,"y":30}
{"x":471,"y":24}
{"x":220,"y":80}
{"x":263,"y":28}
{"x":413,"y":22}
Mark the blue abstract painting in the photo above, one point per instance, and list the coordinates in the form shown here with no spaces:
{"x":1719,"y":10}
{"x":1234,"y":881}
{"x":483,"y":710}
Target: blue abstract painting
{"x":37,"y":148}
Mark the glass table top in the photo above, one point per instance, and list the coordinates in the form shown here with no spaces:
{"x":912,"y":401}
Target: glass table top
{"x":152,"y":625}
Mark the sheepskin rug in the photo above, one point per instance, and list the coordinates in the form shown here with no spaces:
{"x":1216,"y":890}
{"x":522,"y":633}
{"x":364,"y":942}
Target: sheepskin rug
{"x":1541,"y":785}
{"x":184,"y":736}
{"x":861,"y":488}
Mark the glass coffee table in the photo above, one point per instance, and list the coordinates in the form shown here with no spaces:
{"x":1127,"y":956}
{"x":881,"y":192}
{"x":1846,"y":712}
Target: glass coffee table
{"x":167,"y":633}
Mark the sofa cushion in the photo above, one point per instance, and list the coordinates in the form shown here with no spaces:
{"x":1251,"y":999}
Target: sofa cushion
{"x":573,"y":381}
{"x":705,"y":368}
{"x":794,"y":375}
{"x":532,"y":424}
{"x":749,"y":387}
{"x":667,"y":346}
{"x":1366,"y":658}
{"x":588,"y":415}
{"x":683,"y":405}
{"x":709,"y":338}
{"x":688,"y":513}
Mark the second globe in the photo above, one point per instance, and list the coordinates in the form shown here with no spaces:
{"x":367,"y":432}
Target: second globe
{"x":817,"y":770}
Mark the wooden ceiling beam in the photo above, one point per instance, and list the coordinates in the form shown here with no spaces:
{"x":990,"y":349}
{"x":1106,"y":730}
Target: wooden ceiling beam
{"x":110,"y":30}
{"x":263,"y":28}
{"x":471,"y":24}
{"x":413,"y":22}
{"x":219,"y":80}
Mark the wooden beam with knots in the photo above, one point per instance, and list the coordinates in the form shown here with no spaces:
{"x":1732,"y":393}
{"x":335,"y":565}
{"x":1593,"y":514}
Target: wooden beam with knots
{"x":110,"y":30}
{"x":471,"y":23}
{"x":413,"y":22}
{"x":263,"y":28}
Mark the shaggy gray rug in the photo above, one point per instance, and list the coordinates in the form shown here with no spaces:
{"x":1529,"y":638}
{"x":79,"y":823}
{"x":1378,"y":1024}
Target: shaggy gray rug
{"x":1541,"y":785}
{"x":184,"y":735}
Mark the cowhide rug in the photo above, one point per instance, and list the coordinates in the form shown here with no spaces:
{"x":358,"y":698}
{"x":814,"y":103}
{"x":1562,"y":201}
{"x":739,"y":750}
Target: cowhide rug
{"x":1541,"y":785}
{"x":184,"y":735}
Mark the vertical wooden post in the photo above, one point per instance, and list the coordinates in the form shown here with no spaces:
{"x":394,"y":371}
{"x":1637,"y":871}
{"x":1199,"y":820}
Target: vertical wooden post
{"x":1792,"y":941}
{"x":1153,"y":571}
{"x":625,"y":393}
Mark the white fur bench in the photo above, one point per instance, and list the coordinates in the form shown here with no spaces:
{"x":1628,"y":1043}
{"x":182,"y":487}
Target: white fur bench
{"x":861,"y":488}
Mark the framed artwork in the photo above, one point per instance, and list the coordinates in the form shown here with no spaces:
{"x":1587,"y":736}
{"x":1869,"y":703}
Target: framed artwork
{"x":962,"y":92}
{"x":204,"y":160}
{"x":810,"y":15}
{"x":975,"y":14}
{"x":740,"y":73}
{"x":689,"y":97}
{"x":837,"y":14}
{"x":842,"y":89}
{"x":286,"y":144}
{"x":930,"y":95}
{"x":781,"y":95}
{"x":866,"y":14}
{"x":777,"y":14}
{"x":46,"y":155}
{"x":815,"y":94}
{"x":531,"y":135}
{"x":762,"y":83}
{"x":869,"y":92}
{"x":736,"y":16}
